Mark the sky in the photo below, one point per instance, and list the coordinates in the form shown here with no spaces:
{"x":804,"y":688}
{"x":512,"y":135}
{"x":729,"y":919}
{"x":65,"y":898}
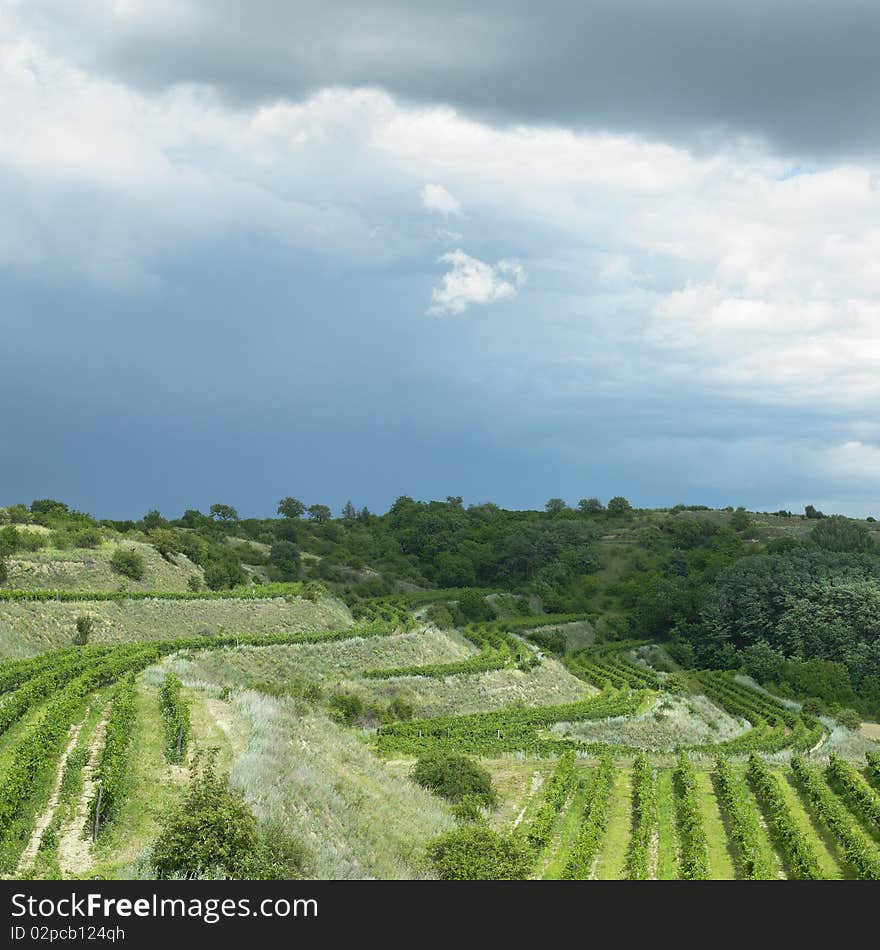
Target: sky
{"x":508,"y":251}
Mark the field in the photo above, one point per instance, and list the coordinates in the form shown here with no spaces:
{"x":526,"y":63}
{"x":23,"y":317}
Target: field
{"x":265,"y":708}
{"x":29,"y":628}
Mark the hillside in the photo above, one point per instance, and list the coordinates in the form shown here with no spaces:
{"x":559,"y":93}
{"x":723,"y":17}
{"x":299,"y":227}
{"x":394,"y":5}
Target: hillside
{"x":648,"y":694}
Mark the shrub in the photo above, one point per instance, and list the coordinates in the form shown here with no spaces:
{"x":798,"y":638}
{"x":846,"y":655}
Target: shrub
{"x":4,"y":572}
{"x":440,"y":615}
{"x":454,"y":776}
{"x":469,"y":808}
{"x":346,"y":707}
{"x":473,"y":607}
{"x":129,"y":563}
{"x":812,"y":706}
{"x":849,"y":718}
{"x":476,"y":853}
{"x":212,"y":831}
{"x":194,"y":583}
{"x":84,"y":627}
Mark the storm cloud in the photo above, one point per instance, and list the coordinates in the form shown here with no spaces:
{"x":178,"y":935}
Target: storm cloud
{"x":497,"y":250}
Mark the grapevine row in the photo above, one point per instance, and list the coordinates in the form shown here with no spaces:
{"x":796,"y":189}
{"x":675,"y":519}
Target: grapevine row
{"x":744,"y":823}
{"x":174,"y":710}
{"x":857,"y":848}
{"x":694,"y":857}
{"x":644,"y":825}
{"x":855,"y":790}
{"x":586,"y":845}
{"x":503,"y":730}
{"x":113,"y":759}
{"x":800,"y":856}
{"x":556,"y":794}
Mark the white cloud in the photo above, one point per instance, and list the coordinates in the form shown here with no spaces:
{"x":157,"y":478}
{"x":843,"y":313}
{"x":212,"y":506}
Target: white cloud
{"x":473,"y":281}
{"x":437,"y":198}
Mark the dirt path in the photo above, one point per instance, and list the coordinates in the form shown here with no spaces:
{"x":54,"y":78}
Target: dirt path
{"x":537,"y":782}
{"x":29,"y":855}
{"x":74,"y":846}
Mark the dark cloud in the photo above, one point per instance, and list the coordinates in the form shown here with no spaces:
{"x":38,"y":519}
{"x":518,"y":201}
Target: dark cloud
{"x":801,"y":74}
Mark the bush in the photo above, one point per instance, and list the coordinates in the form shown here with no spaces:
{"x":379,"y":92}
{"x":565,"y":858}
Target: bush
{"x":213,"y":832}
{"x":476,"y":853}
{"x":470,"y":808}
{"x":474,"y":608}
{"x":812,"y":706}
{"x":84,"y":627}
{"x":454,"y":776}
{"x":346,"y":707}
{"x":194,"y":583}
{"x":129,"y":563}
{"x":440,"y":615}
{"x":849,"y":718}
{"x":4,"y":571}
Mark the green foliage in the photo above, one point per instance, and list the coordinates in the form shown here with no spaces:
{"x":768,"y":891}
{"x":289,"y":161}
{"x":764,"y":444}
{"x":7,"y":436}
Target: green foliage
{"x":84,"y":627}
{"x":213,"y":833}
{"x":837,"y":533}
{"x":224,"y":513}
{"x":849,"y":718}
{"x":857,"y":847}
{"x":619,"y":506}
{"x":509,"y":730}
{"x":129,"y":563}
{"x":557,"y":790}
{"x":284,"y":560}
{"x":694,"y":858}
{"x":440,"y":615}
{"x":474,"y":852}
{"x":174,"y":710}
{"x":113,"y":761}
{"x":346,"y":708}
{"x":595,"y":817}
{"x":743,"y":823}
{"x":473,"y":607}
{"x":4,"y":571}
{"x":855,"y":790}
{"x":644,"y":819}
{"x":291,"y":508}
{"x":453,"y":777}
{"x":800,"y":856}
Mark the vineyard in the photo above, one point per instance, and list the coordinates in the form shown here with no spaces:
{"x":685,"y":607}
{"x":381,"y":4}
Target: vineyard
{"x":83,"y":730}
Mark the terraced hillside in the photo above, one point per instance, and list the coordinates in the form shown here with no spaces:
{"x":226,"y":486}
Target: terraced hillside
{"x":319,"y":730}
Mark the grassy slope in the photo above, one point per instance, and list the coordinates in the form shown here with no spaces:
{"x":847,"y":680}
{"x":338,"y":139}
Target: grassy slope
{"x":611,"y":865}
{"x":667,"y":833}
{"x":357,"y":819}
{"x":89,"y":569}
{"x":28,"y":628}
{"x":275,"y":668}
{"x":720,"y":861}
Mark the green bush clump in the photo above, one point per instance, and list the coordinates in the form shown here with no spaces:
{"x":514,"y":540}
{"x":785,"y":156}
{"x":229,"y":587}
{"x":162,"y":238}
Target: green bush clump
{"x":84,"y":627}
{"x":213,"y":833}
{"x":175,"y":718}
{"x":129,"y":563}
{"x":453,"y":776}
{"x":474,"y":852}
{"x":346,"y":708}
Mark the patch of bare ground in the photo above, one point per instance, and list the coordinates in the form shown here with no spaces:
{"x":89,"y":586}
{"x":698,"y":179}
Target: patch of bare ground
{"x":871,"y":730}
{"x":29,"y":854}
{"x":537,"y":782}
{"x":74,"y":844}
